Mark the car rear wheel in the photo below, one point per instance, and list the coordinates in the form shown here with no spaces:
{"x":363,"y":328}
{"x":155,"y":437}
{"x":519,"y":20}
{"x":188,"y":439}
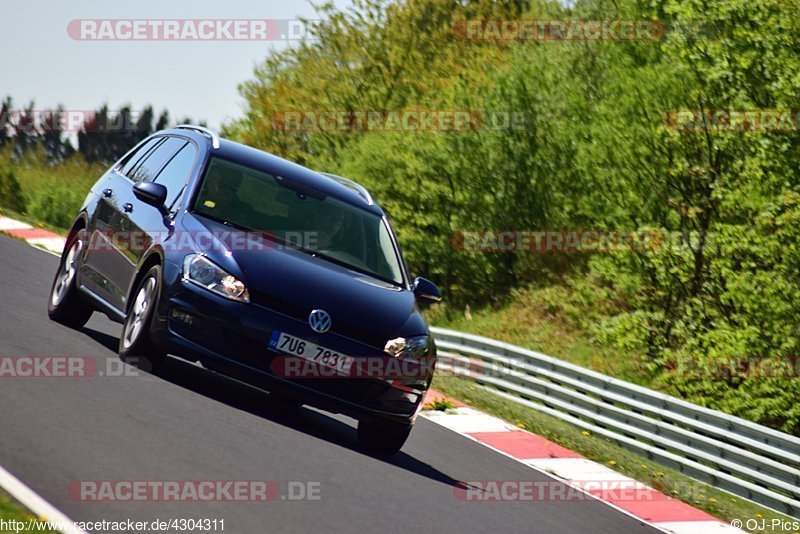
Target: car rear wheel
{"x":66,"y":305}
{"x":382,"y":437}
{"x":136,"y":343}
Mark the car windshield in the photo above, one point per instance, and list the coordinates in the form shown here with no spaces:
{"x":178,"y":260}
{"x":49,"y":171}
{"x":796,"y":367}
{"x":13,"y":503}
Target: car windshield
{"x":302,"y":218}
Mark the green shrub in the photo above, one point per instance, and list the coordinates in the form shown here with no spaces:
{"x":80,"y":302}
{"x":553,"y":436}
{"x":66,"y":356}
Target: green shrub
{"x":440,"y":405}
{"x":10,"y":192}
{"x":56,"y":206}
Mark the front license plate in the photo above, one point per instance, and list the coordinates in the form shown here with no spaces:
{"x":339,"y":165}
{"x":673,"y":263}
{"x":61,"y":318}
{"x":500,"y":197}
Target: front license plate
{"x":325,"y":357}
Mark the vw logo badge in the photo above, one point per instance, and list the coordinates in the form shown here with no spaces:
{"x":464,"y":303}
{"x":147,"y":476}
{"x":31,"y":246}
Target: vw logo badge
{"x":319,"y":321}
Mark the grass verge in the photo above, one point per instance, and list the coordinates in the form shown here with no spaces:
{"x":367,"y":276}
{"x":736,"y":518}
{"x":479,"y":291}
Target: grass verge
{"x":527,"y":320}
{"x":11,"y":510}
{"x":33,"y":221}
{"x":718,"y":503}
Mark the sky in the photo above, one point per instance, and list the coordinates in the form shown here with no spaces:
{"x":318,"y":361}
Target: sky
{"x":41,"y":62}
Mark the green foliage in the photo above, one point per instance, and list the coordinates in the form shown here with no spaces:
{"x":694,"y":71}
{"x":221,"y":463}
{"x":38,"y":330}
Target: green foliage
{"x":11,"y":510}
{"x":440,"y":404}
{"x":595,"y":153}
{"x":11,"y":192}
{"x":56,"y":206}
{"x":49,"y":193}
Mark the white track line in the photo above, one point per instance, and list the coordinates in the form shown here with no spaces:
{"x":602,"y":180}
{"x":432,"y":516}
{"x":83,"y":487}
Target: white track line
{"x":438,"y":421}
{"x":455,"y":421}
{"x":36,"y":504}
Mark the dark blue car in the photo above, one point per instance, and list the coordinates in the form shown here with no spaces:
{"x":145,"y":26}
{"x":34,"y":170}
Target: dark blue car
{"x":261,"y":269}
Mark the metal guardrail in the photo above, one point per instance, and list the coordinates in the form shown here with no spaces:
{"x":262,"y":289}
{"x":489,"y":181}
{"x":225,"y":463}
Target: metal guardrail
{"x":746,"y":459}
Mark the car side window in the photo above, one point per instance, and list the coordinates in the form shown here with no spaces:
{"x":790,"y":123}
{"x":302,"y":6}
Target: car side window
{"x":174,"y":175}
{"x":155,"y":161}
{"x":127,"y":165}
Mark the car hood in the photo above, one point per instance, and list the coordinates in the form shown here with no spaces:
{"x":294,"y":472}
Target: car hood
{"x":293,"y":283}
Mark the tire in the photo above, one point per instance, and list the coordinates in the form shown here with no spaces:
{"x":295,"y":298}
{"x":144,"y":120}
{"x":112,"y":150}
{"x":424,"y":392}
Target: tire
{"x":384,"y":438}
{"x":66,"y":305}
{"x":284,"y":402}
{"x":135,"y":343}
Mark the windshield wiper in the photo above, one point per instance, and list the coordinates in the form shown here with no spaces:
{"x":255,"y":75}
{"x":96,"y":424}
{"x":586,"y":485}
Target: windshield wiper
{"x":352,"y":267}
{"x":223,"y":221}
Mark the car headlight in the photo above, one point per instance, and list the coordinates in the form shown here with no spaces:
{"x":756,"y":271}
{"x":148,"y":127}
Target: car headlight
{"x":413,"y":347}
{"x":201,"y":271}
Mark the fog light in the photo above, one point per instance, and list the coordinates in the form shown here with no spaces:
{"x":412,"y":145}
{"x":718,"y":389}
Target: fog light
{"x":410,"y":397}
{"x":404,"y":387}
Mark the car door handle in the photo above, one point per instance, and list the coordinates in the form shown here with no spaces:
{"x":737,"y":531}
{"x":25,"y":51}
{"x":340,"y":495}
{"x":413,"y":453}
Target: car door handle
{"x":127,"y":208}
{"x":108,"y":193}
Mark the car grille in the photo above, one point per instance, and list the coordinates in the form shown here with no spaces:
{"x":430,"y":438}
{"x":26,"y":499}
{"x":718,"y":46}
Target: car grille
{"x":300,"y":313}
{"x":249,"y":351}
{"x":289,"y":309}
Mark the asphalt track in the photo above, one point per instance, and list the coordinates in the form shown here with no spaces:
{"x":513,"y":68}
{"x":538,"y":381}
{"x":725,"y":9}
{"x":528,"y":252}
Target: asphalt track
{"x":187,"y":423}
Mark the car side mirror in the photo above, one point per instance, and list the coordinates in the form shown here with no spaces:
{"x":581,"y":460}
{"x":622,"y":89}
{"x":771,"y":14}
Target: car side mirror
{"x":153,"y":194}
{"x":425,"y":290}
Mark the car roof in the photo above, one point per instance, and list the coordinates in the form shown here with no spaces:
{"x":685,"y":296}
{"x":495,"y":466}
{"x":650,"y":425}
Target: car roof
{"x":340,"y":188}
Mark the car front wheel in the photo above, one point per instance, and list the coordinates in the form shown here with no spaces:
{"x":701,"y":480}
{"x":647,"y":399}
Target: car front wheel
{"x":135,"y":343}
{"x":382,"y":437}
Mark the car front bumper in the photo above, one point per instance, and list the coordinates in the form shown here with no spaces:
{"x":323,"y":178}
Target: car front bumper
{"x":233,"y":337}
